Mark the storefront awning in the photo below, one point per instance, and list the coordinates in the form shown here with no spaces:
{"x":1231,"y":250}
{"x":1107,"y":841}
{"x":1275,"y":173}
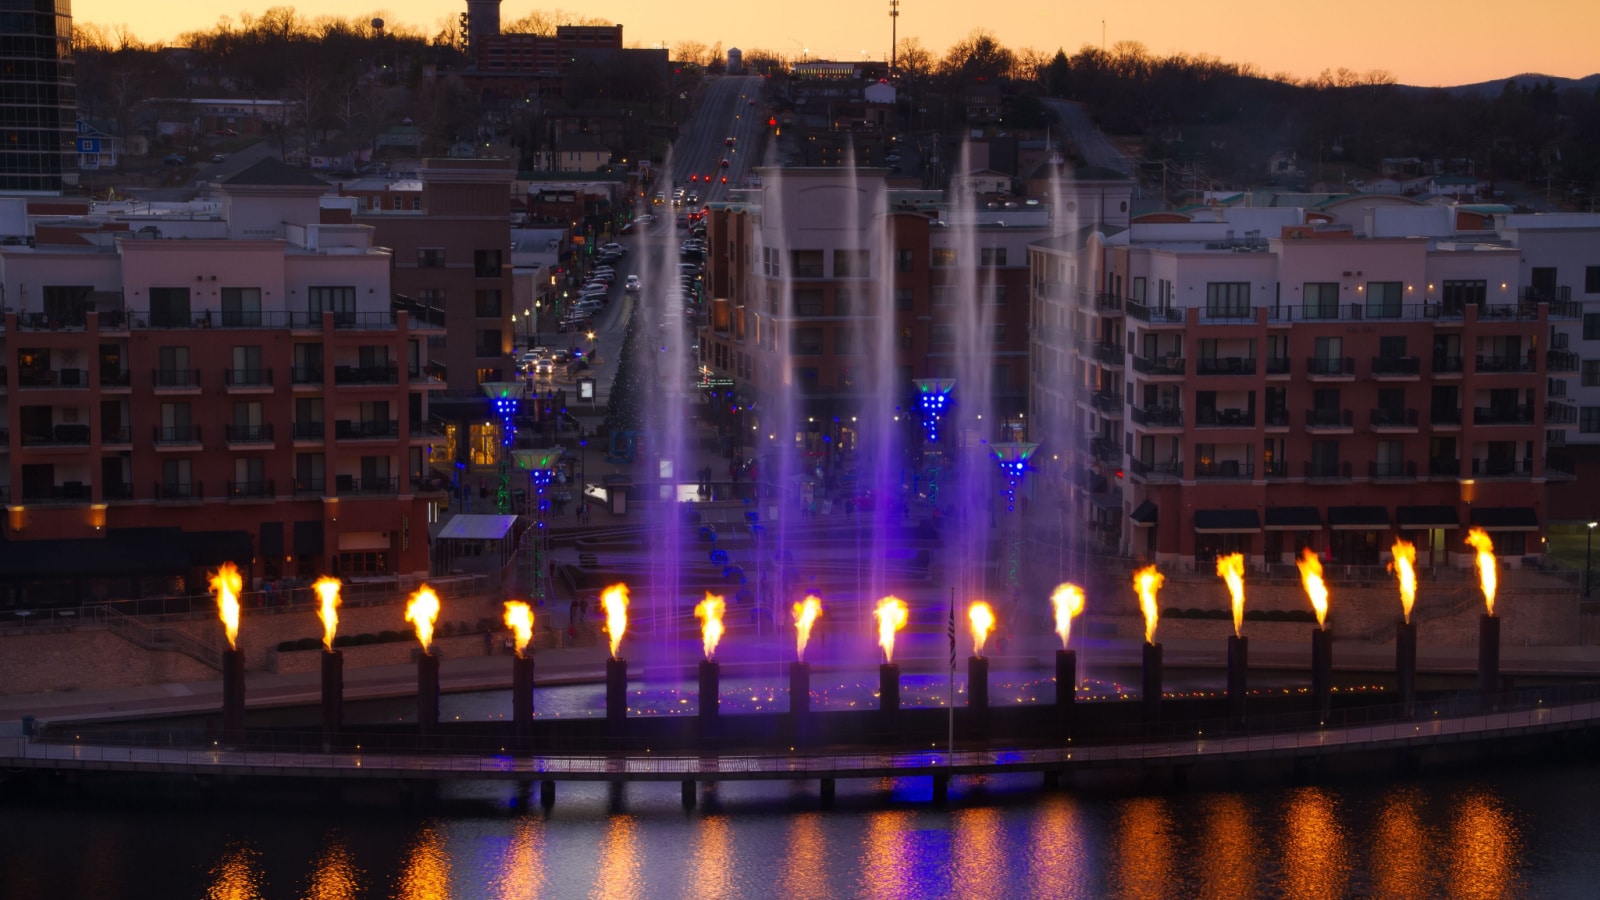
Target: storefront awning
{"x":1505,"y":518}
{"x":1293,"y":518}
{"x":1226,"y":521}
{"x":1427,"y":517}
{"x":1144,"y":515}
{"x":476,"y":528}
{"x":1358,"y":518}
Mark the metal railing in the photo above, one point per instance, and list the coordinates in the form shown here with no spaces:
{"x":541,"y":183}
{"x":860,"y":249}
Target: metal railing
{"x":52,"y":378}
{"x":176,"y":434}
{"x":1154,"y":315}
{"x":1502,"y":415}
{"x":1225,"y":470}
{"x":1157,"y":418}
{"x":1392,"y":470}
{"x":1224,"y":418}
{"x":376,"y":374}
{"x":1154,"y":471}
{"x":1396,"y":365}
{"x":251,"y":490}
{"x":1328,"y":470}
{"x":247,"y":378}
{"x":1330,"y":418}
{"x":1330,"y":367}
{"x":363,"y":429}
{"x":306,"y":375}
{"x":1166,"y":365}
{"x":179,"y":379}
{"x":180,"y":491}
{"x":1225,"y":365}
{"x":369,"y":486}
{"x":1498,"y":363}
{"x":1381,"y":417}
{"x":1502,"y":468}
{"x":1444,"y":468}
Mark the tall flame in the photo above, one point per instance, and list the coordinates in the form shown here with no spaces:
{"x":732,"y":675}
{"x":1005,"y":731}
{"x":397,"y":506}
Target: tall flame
{"x":891,"y":614}
{"x":327,"y":588}
{"x":1068,"y":601}
{"x":519,"y":618}
{"x":1311,"y":576}
{"x":805,"y":616}
{"x":981,"y":615}
{"x":1488,"y":574}
{"x":227,"y":584}
{"x":422,"y":611}
{"x":614,"y":600}
{"x":1147,"y":581}
{"x":1404,"y":565}
{"x":709,"y":612}
{"x":1231,"y":568}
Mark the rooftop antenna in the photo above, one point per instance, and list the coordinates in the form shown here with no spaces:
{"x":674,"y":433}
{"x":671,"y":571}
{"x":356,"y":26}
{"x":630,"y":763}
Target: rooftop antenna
{"x":894,"y":25}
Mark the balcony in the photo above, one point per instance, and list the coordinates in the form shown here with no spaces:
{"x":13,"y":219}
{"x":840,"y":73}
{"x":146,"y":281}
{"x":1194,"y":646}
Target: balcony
{"x":1558,"y":413}
{"x":1396,"y":367}
{"x":1502,"y":468}
{"x":306,"y":375}
{"x":1444,"y":468}
{"x":1329,"y":420}
{"x":1226,"y":470}
{"x":52,"y":378}
{"x":175,"y":379}
{"x":1506,"y":364}
{"x":1318,"y":367}
{"x":1275,"y":469}
{"x":1106,"y":403}
{"x":1560,"y":361}
{"x":348,"y":484}
{"x":366,"y":429}
{"x":1104,"y":302}
{"x":1276,"y":418}
{"x":1502,"y":415}
{"x":115,"y":379}
{"x":1447,"y":365}
{"x":1225,"y":365}
{"x":1153,"y":315}
{"x":1444,"y":417}
{"x":248,"y":434}
{"x":1393,"y":419}
{"x":67,"y":493}
{"x":251,"y":490}
{"x":1154,"y":472}
{"x":1159,"y":417}
{"x":1167,"y":366}
{"x":309,"y":431}
{"x":247,"y":379}
{"x":1392,"y":471}
{"x":1328,"y":471}
{"x":1277,"y":365}
{"x":176,"y":435}
{"x":180,"y":491}
{"x":112,"y":437}
{"x":310,"y":486}
{"x":368,"y":375}
{"x":1105,"y":354}
{"x":1105,"y":450}
{"x":116,"y":492}
{"x":1560,"y":294}
{"x":1224,"y":418}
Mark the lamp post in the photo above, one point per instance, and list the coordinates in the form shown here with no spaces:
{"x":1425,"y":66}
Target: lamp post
{"x":1588,"y":555}
{"x":540,"y":467}
{"x":933,"y":401}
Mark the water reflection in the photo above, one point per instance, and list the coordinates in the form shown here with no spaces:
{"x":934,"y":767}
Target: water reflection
{"x":1484,"y":848}
{"x":1060,"y":850}
{"x":711,"y":868}
{"x":523,"y":869}
{"x":618,"y":878}
{"x":981,"y":866}
{"x":1230,"y":849}
{"x":885,"y":864}
{"x":1143,"y":853}
{"x":1402,"y":866}
{"x":334,"y":876}
{"x":1315,"y":860}
{"x":237,"y":876}
{"x":425,"y":871}
{"x":805,"y":858}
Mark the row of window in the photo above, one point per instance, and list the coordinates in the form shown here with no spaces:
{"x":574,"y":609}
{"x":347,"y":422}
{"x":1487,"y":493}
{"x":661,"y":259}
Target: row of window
{"x":485,"y":263}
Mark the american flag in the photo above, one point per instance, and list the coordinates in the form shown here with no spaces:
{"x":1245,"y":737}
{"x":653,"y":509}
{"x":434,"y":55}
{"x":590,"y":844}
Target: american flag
{"x":952,"y":632}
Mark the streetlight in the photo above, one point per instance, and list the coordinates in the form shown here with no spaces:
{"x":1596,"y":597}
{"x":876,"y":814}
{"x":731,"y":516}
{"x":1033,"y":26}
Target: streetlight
{"x":1588,"y":553}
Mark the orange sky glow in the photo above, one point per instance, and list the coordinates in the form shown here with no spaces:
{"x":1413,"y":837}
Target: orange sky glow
{"x":1423,"y":42}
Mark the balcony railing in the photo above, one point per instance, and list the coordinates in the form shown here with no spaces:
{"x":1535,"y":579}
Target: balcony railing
{"x":377,"y":320}
{"x":248,"y":434}
{"x":1559,"y":468}
{"x":251,"y":490}
{"x":1105,"y":450}
{"x":247,"y":378}
{"x":57,"y":436}
{"x":1558,"y":294}
{"x":1328,"y":470}
{"x":176,"y":434}
{"x":349,"y":485}
{"x":70,"y":492}
{"x":1224,"y":470}
{"x":1330,"y":367}
{"x":1329,"y":418}
{"x":1381,"y":417}
{"x":1225,"y":365}
{"x":357,"y":375}
{"x":310,"y":485}
{"x":1159,"y":315}
{"x":1224,"y":418}
{"x":1485,"y":363}
{"x":1154,"y":471}
{"x":180,"y":491}
{"x":1501,"y":468}
{"x":52,"y":378}
{"x":1560,"y":361}
{"x":1158,"y":417}
{"x":1275,"y":469}
{"x":1502,"y":415}
{"x":1396,"y":365}
{"x":306,"y":375}
{"x":1444,"y":468}
{"x":1109,"y":354}
{"x":1444,"y":415}
{"x":1277,"y":365}
{"x":1392,"y":471}
{"x":1165,"y":365}
{"x":117,"y":491}
{"x":1276,"y":418}
{"x":175,"y":379}
{"x":309,"y":431}
{"x":1106,"y":403}
{"x":1447,"y":365}
{"x":1558,"y":413}
{"x":1105,"y":302}
{"x":366,"y":429}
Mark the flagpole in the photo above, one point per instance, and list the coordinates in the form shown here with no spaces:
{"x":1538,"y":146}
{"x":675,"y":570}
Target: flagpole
{"x":952,"y":701}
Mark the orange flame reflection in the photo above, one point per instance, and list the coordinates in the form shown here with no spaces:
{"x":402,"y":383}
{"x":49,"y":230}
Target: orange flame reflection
{"x":1488,"y":575}
{"x":327,"y":588}
{"x":519,"y":618}
{"x":1068,"y":602}
{"x":226,"y":584}
{"x":709,"y":612}
{"x":981,"y":615}
{"x":1231,"y":568}
{"x":1311,"y":578}
{"x":423,"y":611}
{"x":891,"y":615}
{"x":1404,"y":565}
{"x":1147,"y":581}
{"x":805,"y":616}
{"x":614,"y":600}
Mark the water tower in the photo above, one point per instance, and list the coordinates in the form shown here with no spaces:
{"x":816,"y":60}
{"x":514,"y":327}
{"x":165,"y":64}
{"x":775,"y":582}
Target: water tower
{"x":735,"y":61}
{"x":483,"y":20}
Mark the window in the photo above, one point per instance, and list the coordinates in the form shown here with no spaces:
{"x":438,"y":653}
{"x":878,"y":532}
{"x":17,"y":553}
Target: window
{"x":241,"y":307}
{"x":430,"y":258}
{"x":843,"y":299}
{"x":807,"y":302}
{"x":249,"y":473}
{"x":806,"y":341}
{"x":941,"y":257}
{"x":1591,"y":280}
{"x":1329,"y":348}
{"x":1137,"y":289}
{"x":486,"y":263}
{"x":169,"y":308}
{"x":416,"y":203}
{"x":904,"y":299}
{"x":992,"y":256}
{"x":489,"y":343}
{"x":806,"y":263}
{"x":904,"y":260}
{"x":851,"y":264}
{"x":1591,"y":326}
{"x":309,"y":469}
{"x":771,"y":262}
{"x":1228,"y":299}
{"x":66,"y":305}
{"x":1391,"y":347}
{"x":1589,"y":374}
{"x":247,"y":368}
{"x":1325,"y":457}
{"x":843,"y":341}
{"x":486,"y":304}
{"x":341,"y":301}
{"x":1320,"y":300}
{"x":1458,"y":295}
{"x":1384,"y":299}
{"x":942,"y":295}
{"x":942,"y":336}
{"x":174,"y":368}
{"x":175,"y":477}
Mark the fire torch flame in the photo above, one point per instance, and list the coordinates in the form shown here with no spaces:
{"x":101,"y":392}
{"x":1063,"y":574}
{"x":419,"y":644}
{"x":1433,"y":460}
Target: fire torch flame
{"x":614,"y":600}
{"x":1068,"y":601}
{"x":709,"y":612}
{"x":1147,"y":581}
{"x":1488,"y":575}
{"x":1311,"y":577}
{"x":981,"y":615}
{"x":1405,"y":558}
{"x":1231,"y":569}
{"x":519,"y":618}
{"x":891,"y":614}
{"x":226,"y":583}
{"x":805,"y":615}
{"x":327,"y":587}
{"x":422,"y":611}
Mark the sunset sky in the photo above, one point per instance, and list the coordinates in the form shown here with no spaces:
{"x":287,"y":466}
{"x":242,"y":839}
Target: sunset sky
{"x":1423,"y":42}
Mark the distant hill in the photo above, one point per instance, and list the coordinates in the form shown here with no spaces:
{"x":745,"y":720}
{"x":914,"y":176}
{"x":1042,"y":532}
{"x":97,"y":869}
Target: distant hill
{"x":1526,"y":79}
